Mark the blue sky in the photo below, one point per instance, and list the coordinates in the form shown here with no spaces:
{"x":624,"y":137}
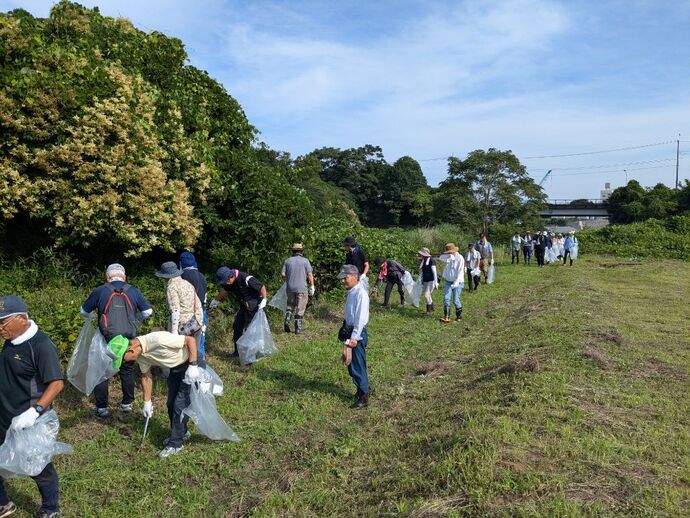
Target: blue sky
{"x":434,"y":78}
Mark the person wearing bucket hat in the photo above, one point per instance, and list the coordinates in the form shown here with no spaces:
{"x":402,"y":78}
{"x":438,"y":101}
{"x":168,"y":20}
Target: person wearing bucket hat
{"x":392,"y":272}
{"x":177,"y":353}
{"x":472,"y":260}
{"x":120,"y":307}
{"x":30,"y":380}
{"x":353,"y":333}
{"x":453,"y":276}
{"x":186,"y":310}
{"x":527,"y":247}
{"x":486,"y":251}
{"x":297,"y":271}
{"x":249,"y":292}
{"x":429,"y":274}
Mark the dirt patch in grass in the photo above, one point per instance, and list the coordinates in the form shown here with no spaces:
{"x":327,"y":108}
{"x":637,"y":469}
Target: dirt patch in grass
{"x":433,"y":369}
{"x":442,"y":506}
{"x":598,"y":356}
{"x":616,"y":265}
{"x":654,"y":367}
{"x":599,"y":336}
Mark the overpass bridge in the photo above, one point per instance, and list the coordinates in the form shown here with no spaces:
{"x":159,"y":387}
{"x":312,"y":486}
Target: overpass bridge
{"x":575,"y":209}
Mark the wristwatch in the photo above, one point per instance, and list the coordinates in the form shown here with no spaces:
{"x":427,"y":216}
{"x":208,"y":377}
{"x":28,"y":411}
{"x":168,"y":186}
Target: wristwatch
{"x":39,"y":409}
{"x":193,"y":363}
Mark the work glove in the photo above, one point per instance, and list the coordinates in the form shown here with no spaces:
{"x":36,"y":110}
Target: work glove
{"x":148,"y":409}
{"x":213,"y":304}
{"x":347,"y":355}
{"x":263,"y":303}
{"x":192,"y":374}
{"x":24,"y":420}
{"x":435,"y":285}
{"x":455,"y":285}
{"x":492,"y":262}
{"x":312,"y":290}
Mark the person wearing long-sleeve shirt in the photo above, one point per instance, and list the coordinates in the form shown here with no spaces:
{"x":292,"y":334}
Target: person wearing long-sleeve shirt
{"x":472,"y":262}
{"x":429,"y":274}
{"x":453,"y":276}
{"x":568,"y":246}
{"x":356,"y":338}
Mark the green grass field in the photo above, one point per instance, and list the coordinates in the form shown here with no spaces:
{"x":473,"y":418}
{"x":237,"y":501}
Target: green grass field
{"x":563,"y":392}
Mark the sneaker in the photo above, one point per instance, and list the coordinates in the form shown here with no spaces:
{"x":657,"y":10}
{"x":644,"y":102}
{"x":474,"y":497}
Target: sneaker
{"x":187,"y":435}
{"x":101,"y":412}
{"x":168,"y":451}
{"x":48,"y":514}
{"x":8,"y":509}
{"x":126,"y":407}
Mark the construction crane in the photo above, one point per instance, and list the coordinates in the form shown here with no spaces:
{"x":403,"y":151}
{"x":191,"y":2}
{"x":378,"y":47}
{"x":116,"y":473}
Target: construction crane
{"x":545,"y":177}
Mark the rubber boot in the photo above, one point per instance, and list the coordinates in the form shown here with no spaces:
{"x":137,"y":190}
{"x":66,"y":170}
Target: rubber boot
{"x":476,"y":282}
{"x":288,"y":317}
{"x":446,"y":314}
{"x":298,"y":325}
{"x":362,"y":401}
{"x":458,"y":314}
{"x":429,"y":309}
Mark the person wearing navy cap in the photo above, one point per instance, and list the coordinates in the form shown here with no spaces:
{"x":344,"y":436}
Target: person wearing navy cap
{"x":250,"y":293}
{"x":30,"y":380}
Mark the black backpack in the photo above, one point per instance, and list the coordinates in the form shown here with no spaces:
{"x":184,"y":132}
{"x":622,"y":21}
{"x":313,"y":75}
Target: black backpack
{"x":119,"y":314}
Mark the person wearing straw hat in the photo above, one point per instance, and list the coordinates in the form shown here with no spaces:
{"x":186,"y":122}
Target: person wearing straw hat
{"x":353,"y":333}
{"x":297,"y":271}
{"x":249,"y":292}
{"x":177,"y":353}
{"x":429,"y":274}
{"x":120,"y":307}
{"x":30,"y":380}
{"x":453,"y":276}
{"x":186,"y":310}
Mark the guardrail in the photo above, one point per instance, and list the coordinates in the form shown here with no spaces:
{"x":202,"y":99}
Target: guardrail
{"x":577,"y":202}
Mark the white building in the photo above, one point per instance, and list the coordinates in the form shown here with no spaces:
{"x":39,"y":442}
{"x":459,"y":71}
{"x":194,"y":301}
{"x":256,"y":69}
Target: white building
{"x":606,"y":191}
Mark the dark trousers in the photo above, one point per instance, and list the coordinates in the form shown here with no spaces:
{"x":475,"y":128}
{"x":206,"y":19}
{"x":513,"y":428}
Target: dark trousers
{"x":472,"y":281}
{"x":528,"y":255}
{"x":100,"y":391}
{"x":48,"y":486}
{"x":565,"y":257}
{"x":515,"y":257}
{"x":539,"y":252}
{"x":241,"y":322}
{"x":178,"y":400}
{"x":358,"y":365}
{"x":389,"y":288}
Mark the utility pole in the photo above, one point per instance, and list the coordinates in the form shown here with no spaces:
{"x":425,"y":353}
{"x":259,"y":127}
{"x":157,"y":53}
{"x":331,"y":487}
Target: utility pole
{"x":677,"y":160}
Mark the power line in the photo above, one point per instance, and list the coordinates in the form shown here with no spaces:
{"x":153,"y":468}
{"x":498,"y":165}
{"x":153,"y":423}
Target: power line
{"x":604,"y":166}
{"x":613,"y":171}
{"x":602,"y":151}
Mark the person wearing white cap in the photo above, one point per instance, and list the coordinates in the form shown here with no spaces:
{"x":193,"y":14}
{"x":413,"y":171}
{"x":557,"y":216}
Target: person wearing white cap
{"x":120,"y":307}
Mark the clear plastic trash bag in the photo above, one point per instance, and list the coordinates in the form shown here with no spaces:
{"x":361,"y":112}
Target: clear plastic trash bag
{"x":202,"y":410}
{"x":210,"y":381}
{"x":573,"y":253}
{"x":257,"y":341}
{"x":25,"y":453}
{"x":490,"y":277}
{"x":92,"y":361}
{"x":279,"y":300}
{"x":416,"y":294}
{"x":408,"y":282}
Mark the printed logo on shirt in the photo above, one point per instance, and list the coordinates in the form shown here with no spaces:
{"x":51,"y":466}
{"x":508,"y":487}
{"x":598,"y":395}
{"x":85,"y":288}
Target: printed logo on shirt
{"x":17,"y":357}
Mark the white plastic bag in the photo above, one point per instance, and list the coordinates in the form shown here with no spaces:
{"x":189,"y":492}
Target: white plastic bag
{"x":92,"y":360}
{"x":202,"y":410}
{"x":408,"y":282}
{"x":476,"y":272}
{"x":257,"y":341}
{"x":573,"y":253}
{"x":417,"y":292}
{"x":25,"y":453}
{"x":210,"y":381}
{"x":279,"y":300}
{"x":491,"y":275}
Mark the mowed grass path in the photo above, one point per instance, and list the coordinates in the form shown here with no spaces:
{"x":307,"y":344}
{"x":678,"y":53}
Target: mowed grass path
{"x":563,"y":392}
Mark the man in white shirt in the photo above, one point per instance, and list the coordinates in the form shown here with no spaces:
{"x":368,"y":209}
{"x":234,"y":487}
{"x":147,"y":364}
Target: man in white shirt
{"x":472,"y":261}
{"x":515,"y":244}
{"x":354,"y":335}
{"x":179,"y":354}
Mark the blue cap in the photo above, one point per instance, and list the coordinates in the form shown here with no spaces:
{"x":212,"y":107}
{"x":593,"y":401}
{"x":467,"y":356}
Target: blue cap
{"x":187,"y":260}
{"x":222,"y":275}
{"x":12,"y":305}
{"x":350,"y":241}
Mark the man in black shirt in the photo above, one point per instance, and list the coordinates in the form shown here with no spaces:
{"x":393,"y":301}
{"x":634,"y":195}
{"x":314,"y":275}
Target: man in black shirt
{"x":355,"y":256}
{"x":250,"y":293}
{"x":30,"y":379}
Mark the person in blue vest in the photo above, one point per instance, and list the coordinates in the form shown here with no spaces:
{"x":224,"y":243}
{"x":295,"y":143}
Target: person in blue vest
{"x":121,"y":307}
{"x":249,"y":292}
{"x":30,"y":380}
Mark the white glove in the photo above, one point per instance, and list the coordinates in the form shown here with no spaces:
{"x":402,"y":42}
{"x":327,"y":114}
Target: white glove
{"x":213,"y":304}
{"x":455,"y":285}
{"x":24,"y":420}
{"x":492,"y":262}
{"x":148,"y":409}
{"x":312,"y":290}
{"x":263,"y":303}
{"x":192,"y":374}
{"x":435,"y":285}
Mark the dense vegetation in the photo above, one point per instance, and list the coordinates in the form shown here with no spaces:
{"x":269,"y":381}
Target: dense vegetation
{"x":633,"y":203}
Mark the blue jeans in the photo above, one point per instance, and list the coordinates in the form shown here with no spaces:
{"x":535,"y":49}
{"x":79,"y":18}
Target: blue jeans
{"x":447,"y":290}
{"x":358,"y":365}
